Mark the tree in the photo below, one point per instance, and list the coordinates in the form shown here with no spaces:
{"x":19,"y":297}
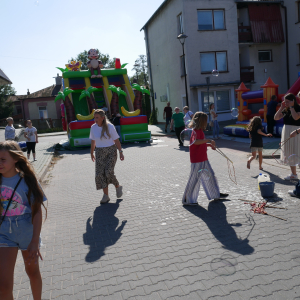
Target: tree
{"x":6,"y":107}
{"x":114,"y":104}
{"x":138,"y":100}
{"x":83,"y":57}
{"x":140,"y":68}
{"x":70,"y":111}
{"x":90,"y":98}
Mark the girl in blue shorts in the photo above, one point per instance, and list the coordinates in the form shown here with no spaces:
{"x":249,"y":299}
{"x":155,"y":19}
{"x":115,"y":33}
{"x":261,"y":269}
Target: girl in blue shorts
{"x":21,"y":198}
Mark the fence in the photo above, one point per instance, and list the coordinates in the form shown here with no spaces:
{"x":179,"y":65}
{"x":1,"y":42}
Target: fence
{"x":39,"y":124}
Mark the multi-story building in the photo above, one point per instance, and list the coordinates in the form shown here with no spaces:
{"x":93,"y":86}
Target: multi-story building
{"x":245,"y":41}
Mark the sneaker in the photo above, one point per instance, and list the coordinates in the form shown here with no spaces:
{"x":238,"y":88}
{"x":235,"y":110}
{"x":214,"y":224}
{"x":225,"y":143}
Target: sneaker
{"x":105,"y":199}
{"x":185,"y":203}
{"x":119,"y":191}
{"x":35,"y":159}
{"x":291,"y":177}
{"x":291,"y":193}
{"x":222,"y":195}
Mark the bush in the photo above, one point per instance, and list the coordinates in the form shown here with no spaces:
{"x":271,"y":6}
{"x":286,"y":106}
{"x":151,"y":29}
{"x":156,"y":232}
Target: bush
{"x":153,"y":117}
{"x":49,"y":130}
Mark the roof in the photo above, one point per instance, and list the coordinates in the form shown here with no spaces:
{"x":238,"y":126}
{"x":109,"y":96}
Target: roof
{"x":156,"y":12}
{"x":4,"y":77}
{"x":47,"y":92}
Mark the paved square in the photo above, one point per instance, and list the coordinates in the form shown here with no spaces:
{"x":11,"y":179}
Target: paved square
{"x":148,"y":246}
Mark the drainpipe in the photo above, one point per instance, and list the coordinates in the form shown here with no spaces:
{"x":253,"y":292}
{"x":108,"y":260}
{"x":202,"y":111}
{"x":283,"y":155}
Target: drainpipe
{"x":149,"y":67}
{"x":287,"y":46}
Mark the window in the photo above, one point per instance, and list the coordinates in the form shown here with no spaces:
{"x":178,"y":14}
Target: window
{"x":207,"y":100}
{"x":211,"y":20}
{"x":43,"y":112}
{"x":264,"y":55}
{"x":182,"y":65}
{"x":180,"y":24}
{"x":219,"y":98}
{"x":213,"y":61}
{"x":222,"y":100}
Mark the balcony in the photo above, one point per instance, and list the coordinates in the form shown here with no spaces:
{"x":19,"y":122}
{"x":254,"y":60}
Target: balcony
{"x":245,"y":34}
{"x":247,"y":74}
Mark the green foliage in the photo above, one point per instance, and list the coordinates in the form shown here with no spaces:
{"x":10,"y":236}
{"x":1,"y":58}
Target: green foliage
{"x":83,"y":57}
{"x":153,"y":117}
{"x":140,"y":68}
{"x":87,"y":93}
{"x":141,"y":89}
{"x":6,"y":107}
{"x":124,"y":65}
{"x":64,"y":94}
{"x":116,"y":90}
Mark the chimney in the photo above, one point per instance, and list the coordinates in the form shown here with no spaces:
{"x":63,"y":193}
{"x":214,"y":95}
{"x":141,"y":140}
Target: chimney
{"x":28,"y":93}
{"x":58,"y":80}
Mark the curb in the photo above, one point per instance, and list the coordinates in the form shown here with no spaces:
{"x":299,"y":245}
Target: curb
{"x":46,"y":167}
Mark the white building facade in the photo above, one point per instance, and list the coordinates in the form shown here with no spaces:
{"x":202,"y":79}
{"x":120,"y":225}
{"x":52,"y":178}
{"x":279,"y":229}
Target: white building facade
{"x":231,"y":36}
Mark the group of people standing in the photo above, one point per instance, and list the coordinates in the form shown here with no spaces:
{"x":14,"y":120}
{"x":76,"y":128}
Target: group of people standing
{"x":30,"y":134}
{"x":181,"y":120}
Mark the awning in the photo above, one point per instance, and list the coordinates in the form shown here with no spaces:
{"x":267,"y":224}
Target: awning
{"x":266,"y":23}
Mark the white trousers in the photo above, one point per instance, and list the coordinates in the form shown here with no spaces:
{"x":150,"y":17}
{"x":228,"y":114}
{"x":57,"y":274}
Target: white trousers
{"x":206,"y":177}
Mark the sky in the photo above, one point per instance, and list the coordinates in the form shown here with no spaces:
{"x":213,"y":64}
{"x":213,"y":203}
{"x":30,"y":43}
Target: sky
{"x":39,"y":35}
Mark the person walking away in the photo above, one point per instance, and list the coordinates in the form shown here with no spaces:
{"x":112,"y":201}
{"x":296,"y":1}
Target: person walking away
{"x":116,"y":123}
{"x":255,"y":133}
{"x":177,"y":119}
{"x":167,"y":115}
{"x":31,"y":135}
{"x":105,"y":141}
{"x":201,"y":170}
{"x":290,"y":112}
{"x":10,"y":131}
{"x":214,"y":118}
{"x":21,"y":201}
{"x":271,"y":111}
{"x":188,"y":115}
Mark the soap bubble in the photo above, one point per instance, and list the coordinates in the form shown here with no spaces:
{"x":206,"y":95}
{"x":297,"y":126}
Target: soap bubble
{"x":204,"y":174}
{"x":36,"y":3}
{"x":188,"y":122}
{"x":215,"y":73}
{"x":188,"y":137}
{"x":234,"y":112}
{"x":293,"y":160}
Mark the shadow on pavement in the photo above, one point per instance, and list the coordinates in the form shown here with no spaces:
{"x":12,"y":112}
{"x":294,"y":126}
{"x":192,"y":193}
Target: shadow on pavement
{"x":277,"y":179}
{"x":104,"y":230}
{"x":215,"y":219}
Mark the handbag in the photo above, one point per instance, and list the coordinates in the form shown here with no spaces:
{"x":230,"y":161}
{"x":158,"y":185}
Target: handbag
{"x":10,"y":200}
{"x":211,"y":123}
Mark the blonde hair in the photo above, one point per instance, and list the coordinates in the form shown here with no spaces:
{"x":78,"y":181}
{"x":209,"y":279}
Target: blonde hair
{"x":26,"y":171}
{"x":104,"y":123}
{"x":255,"y":122}
{"x":199,"y":121}
{"x":186,"y":108}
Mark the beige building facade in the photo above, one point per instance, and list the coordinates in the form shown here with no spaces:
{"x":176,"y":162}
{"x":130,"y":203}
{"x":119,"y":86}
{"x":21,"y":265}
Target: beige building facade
{"x":231,"y":36}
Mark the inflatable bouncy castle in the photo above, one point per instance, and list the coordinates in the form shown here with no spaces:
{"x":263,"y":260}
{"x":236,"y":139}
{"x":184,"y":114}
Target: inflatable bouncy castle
{"x":107,"y":89}
{"x":254,"y":103}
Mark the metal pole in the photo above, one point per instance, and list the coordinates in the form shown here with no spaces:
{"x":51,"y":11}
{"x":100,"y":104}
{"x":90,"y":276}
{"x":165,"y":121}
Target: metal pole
{"x":186,"y":92}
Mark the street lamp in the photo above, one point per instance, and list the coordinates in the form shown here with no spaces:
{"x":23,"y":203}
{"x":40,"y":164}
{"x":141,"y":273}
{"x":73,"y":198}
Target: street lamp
{"x":181,"y":39}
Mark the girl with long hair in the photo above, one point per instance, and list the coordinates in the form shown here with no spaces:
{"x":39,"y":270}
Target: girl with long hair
{"x":105,"y":141}
{"x":214,"y":119}
{"x":289,"y":111}
{"x":255,"y":133}
{"x":21,"y":201}
{"x":201,"y":171}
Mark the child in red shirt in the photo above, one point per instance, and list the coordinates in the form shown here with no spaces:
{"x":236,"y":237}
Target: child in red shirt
{"x":201,"y":171}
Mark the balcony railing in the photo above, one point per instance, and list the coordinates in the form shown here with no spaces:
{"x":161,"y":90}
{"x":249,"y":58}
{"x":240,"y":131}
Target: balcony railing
{"x":247,"y":74}
{"x":245,"y":34}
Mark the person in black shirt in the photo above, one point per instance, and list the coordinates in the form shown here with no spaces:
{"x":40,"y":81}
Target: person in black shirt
{"x":167,"y":115}
{"x":271,"y":113}
{"x":255,"y":133}
{"x":290,"y":112}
